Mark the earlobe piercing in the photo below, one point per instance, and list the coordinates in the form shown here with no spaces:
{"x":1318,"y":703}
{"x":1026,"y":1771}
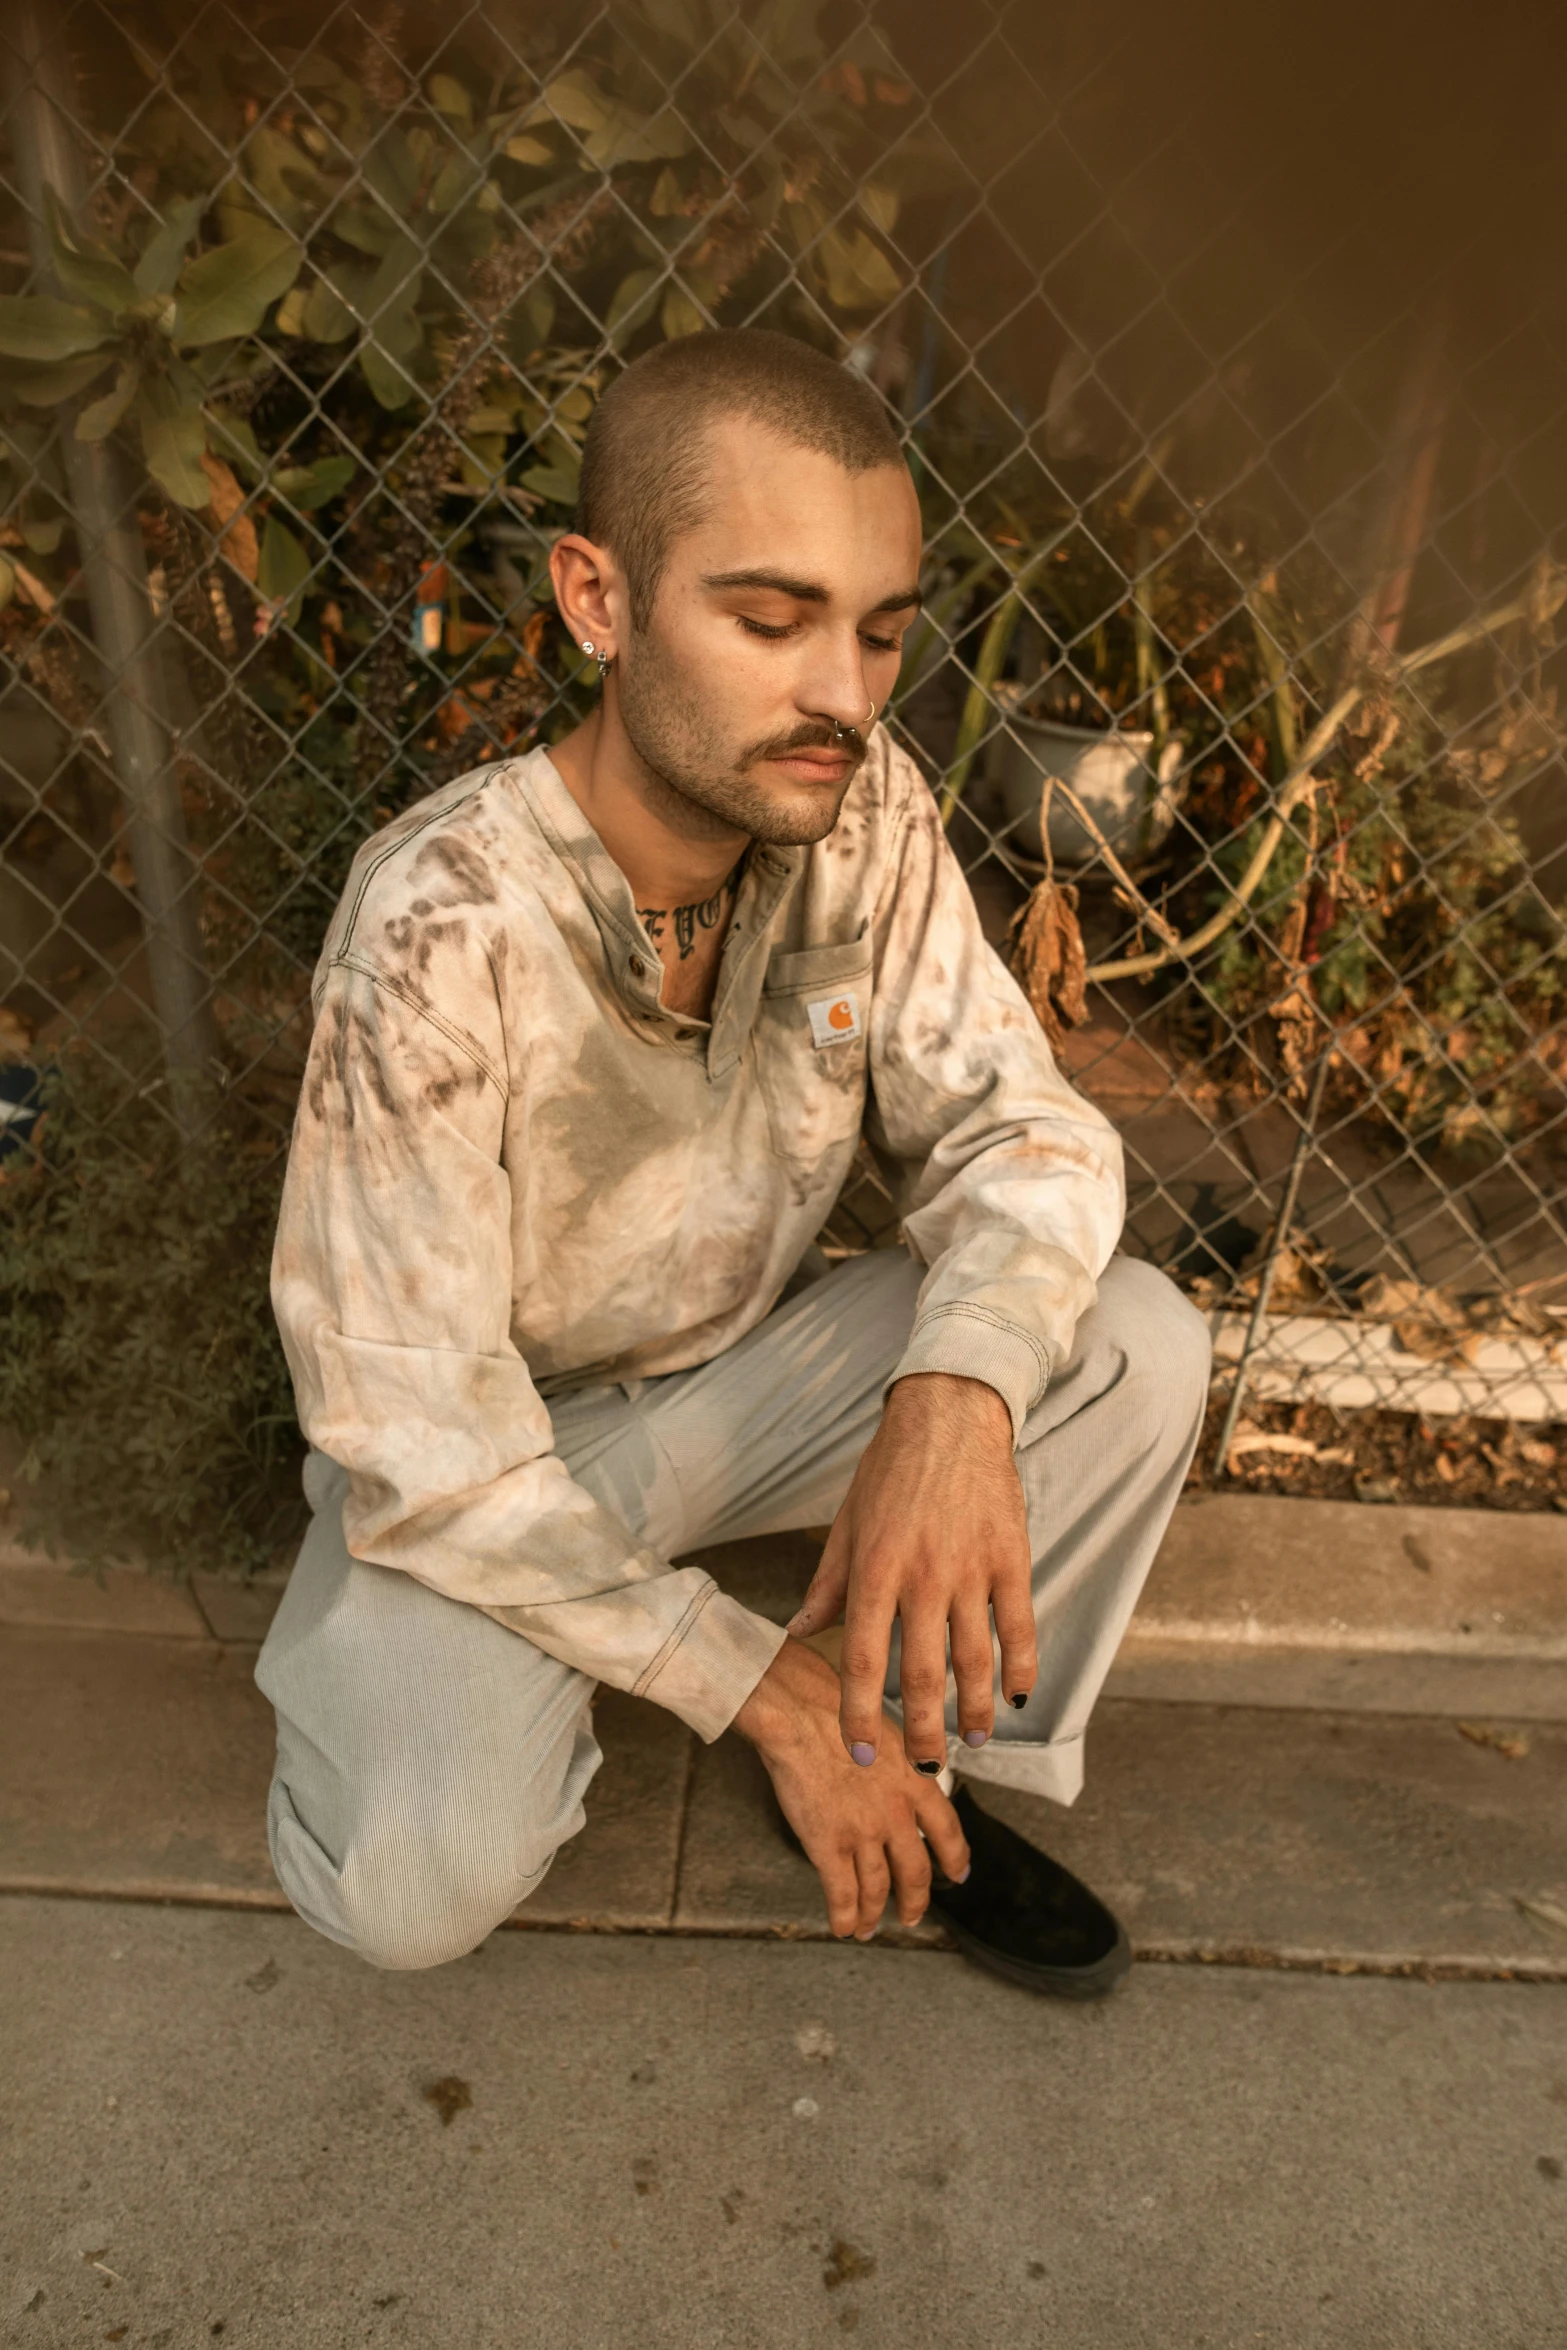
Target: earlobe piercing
{"x":603,"y":659}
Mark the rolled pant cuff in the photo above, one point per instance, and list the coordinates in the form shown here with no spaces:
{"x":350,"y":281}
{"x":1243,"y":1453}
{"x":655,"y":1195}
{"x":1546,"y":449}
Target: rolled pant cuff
{"x":1034,"y":1766}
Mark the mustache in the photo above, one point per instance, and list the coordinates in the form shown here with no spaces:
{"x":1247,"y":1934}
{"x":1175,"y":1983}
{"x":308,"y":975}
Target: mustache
{"x":816,"y":734}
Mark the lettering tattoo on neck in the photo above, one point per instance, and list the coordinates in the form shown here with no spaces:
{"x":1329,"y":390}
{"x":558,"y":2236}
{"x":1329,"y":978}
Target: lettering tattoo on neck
{"x":688,"y":920}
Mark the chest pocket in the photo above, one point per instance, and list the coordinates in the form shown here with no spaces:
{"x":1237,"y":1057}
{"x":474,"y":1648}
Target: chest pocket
{"x":815,"y":1093}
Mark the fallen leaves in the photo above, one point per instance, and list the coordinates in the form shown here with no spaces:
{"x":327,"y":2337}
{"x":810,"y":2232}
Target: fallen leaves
{"x":236,"y":529}
{"x":1513,"y":1743}
{"x":1266,"y":1440}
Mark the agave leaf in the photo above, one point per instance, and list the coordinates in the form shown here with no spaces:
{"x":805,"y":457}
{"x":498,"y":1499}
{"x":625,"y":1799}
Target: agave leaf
{"x":228,"y":291}
{"x":35,"y":326}
{"x":173,"y":437}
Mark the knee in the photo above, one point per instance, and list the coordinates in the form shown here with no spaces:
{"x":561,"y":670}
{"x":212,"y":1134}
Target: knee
{"x":1162,"y":1342}
{"x":400,"y":1901}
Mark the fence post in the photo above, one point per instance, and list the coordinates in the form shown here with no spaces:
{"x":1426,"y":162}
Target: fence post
{"x":103,"y":494}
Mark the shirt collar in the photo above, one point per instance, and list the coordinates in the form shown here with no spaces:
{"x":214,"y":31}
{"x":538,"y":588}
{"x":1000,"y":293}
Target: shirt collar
{"x":630,"y":955}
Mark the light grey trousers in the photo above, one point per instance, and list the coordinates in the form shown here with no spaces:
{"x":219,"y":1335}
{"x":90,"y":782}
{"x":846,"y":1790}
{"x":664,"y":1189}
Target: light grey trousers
{"x":431,"y":1763}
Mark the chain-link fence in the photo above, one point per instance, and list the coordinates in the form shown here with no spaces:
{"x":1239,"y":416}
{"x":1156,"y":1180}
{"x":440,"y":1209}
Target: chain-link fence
{"x":1236,"y":679}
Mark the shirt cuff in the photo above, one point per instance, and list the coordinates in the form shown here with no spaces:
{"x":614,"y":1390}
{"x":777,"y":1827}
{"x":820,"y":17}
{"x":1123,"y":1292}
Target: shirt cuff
{"x":970,"y":1342}
{"x":711,"y":1663}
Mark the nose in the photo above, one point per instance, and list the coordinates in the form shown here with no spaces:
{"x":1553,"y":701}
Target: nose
{"x":836,"y":689}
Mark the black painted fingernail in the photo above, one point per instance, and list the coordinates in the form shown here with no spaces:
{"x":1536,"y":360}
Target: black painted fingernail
{"x":1017,"y":1703}
{"x":928,"y":1768}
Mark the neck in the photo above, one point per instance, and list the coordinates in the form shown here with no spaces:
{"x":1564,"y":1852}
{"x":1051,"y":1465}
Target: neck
{"x":672,"y":852}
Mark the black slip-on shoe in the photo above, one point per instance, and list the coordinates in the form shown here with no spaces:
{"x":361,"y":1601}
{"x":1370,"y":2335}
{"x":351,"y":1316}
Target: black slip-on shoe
{"x":1022,"y":1915}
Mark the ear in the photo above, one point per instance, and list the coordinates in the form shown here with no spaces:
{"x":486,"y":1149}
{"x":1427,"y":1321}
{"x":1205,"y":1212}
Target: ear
{"x":589,"y":591}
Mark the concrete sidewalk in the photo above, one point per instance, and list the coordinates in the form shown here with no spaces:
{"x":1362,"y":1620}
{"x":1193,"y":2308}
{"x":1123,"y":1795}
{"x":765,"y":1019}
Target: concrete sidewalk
{"x":222,"y":2129}
{"x":1254,"y":1793}
{"x":1336,"y":1747}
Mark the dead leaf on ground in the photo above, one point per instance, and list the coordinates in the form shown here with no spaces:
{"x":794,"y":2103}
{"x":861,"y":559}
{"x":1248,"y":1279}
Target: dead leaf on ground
{"x":1513,"y":1743}
{"x":236,"y":529}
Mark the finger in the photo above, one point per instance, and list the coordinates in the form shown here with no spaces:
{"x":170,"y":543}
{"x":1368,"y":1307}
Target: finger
{"x":974,"y":1669}
{"x":1012,"y":1603}
{"x":841,"y":1891}
{"x":823,"y":1601}
{"x":875,"y":1885}
{"x":910,"y":1876}
{"x":943,"y":1832}
{"x":923,"y":1686}
{"x":862,"y":1670}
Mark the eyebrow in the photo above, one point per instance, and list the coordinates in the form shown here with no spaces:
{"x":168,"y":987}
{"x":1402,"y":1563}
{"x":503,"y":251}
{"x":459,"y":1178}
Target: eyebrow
{"x":805,"y":591}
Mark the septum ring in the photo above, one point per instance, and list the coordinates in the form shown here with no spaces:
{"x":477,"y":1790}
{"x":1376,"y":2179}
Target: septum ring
{"x":840,"y":729}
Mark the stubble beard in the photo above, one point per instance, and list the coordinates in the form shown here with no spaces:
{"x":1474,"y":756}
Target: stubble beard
{"x":698,"y":783}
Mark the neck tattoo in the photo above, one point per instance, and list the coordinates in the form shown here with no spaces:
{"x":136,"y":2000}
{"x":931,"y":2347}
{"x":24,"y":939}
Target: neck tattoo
{"x":689,"y":920}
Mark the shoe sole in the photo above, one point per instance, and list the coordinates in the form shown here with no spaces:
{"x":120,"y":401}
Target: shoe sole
{"x":1053,"y":1982}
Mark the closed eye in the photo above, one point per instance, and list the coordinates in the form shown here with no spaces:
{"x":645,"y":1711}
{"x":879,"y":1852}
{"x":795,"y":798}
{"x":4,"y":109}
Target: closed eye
{"x":765,"y":628}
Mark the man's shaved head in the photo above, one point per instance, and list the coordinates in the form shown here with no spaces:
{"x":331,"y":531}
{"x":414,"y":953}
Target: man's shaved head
{"x":645,"y":461}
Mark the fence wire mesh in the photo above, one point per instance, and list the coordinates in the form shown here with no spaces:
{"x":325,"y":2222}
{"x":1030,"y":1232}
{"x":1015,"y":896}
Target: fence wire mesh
{"x":1236,"y":681}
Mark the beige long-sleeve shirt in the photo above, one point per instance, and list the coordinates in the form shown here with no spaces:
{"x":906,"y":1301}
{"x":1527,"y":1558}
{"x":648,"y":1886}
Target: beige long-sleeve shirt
{"x":513,"y":1171}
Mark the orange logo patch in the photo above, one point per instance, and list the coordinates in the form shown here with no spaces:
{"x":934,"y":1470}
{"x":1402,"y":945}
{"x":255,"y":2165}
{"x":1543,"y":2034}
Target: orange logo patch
{"x":835,"y":1020}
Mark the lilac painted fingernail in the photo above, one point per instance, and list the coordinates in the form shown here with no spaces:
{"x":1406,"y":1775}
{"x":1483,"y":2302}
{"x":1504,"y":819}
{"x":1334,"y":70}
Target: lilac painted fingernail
{"x":975,"y":1737}
{"x":968,"y":1872}
{"x":863,"y":1752}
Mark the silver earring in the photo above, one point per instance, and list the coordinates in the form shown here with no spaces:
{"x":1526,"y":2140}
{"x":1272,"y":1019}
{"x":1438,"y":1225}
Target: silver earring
{"x":603,"y":659}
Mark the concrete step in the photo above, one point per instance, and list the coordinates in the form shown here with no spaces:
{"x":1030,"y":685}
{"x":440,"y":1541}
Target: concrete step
{"x":1236,"y":1834}
{"x":138,"y":1769}
{"x":1256,"y":1599}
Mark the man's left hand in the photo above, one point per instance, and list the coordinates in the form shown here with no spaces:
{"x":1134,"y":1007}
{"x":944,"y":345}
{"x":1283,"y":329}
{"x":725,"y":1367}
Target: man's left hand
{"x":933,"y":1530}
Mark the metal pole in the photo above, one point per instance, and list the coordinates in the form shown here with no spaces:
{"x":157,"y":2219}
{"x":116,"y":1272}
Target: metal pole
{"x":1303,"y":1146}
{"x":103,"y":492}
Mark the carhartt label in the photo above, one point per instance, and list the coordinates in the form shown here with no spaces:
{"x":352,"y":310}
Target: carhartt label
{"x":834,"y":1020}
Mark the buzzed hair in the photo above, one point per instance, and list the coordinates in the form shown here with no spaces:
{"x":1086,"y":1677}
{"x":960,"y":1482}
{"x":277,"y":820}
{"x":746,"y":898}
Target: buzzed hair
{"x":644,"y":460}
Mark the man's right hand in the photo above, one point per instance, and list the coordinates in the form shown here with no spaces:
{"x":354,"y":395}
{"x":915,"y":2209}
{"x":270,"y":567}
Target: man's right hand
{"x":860,"y":1827}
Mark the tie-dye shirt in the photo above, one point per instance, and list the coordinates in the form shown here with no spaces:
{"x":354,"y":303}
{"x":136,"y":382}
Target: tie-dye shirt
{"x":514,"y":1171}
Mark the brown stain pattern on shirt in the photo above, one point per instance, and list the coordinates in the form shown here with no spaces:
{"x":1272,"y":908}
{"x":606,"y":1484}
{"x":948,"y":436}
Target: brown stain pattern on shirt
{"x":509,"y":1168}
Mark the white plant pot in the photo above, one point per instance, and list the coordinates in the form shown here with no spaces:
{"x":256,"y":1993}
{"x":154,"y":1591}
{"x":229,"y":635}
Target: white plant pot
{"x":1130,"y":797}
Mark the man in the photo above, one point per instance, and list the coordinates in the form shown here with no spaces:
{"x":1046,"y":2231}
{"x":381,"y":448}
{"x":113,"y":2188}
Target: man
{"x":597,"y":1032}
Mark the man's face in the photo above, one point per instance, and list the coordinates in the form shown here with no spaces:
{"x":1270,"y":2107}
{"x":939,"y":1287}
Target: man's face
{"x":778,"y":620}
